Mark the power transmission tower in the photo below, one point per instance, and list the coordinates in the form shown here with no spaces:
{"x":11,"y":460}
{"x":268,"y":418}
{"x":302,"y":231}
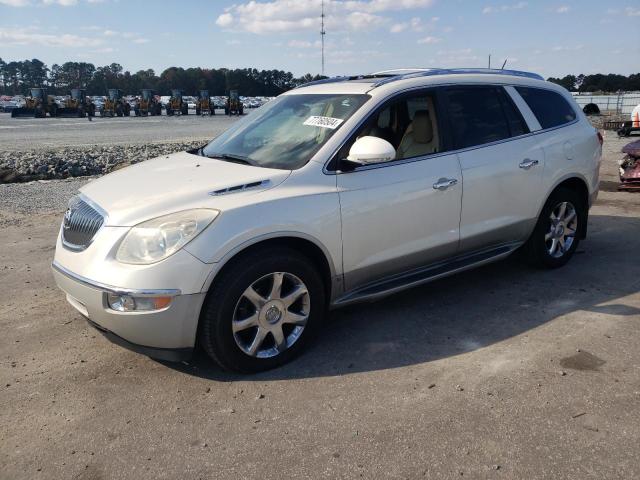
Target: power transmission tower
{"x":322,"y":34}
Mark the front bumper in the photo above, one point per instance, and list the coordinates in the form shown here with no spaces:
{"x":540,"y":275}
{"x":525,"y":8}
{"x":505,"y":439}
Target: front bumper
{"x":167,"y":334}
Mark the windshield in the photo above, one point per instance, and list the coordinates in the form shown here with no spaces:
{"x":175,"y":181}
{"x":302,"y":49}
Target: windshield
{"x":286,"y":132}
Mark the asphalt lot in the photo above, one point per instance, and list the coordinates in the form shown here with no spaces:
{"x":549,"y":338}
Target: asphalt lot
{"x":504,"y":372}
{"x":29,"y":133}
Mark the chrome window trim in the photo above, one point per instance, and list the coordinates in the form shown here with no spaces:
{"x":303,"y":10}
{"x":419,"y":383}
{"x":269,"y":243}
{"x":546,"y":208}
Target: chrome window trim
{"x":97,"y":208}
{"x":169,"y":292}
{"x":433,"y":155}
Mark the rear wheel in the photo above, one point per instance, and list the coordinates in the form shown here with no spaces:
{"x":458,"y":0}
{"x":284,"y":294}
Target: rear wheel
{"x":557,"y":232}
{"x":262,"y":311}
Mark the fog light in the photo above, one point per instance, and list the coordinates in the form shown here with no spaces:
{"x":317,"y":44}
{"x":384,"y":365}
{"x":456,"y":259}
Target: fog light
{"x":129,"y":303}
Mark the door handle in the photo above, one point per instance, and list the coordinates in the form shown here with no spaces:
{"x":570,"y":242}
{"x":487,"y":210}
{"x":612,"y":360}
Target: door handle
{"x":444,"y":183}
{"x":527,"y":163}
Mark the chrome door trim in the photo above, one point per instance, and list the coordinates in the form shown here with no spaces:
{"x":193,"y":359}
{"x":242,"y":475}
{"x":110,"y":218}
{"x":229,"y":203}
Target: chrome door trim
{"x":402,"y":281}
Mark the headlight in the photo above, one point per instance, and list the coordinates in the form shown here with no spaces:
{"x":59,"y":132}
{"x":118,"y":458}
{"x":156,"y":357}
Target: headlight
{"x":156,"y":239}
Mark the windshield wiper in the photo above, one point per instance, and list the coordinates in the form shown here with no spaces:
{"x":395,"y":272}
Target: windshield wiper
{"x":233,"y":158}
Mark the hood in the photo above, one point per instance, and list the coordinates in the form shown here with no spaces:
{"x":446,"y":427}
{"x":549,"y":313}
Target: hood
{"x":175,"y":182}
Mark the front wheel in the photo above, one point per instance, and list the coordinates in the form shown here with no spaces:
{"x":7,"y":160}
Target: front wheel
{"x":557,"y":232}
{"x":262,"y":311}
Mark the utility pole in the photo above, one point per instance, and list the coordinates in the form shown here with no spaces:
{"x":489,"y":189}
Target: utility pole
{"x":489,"y":60}
{"x":322,"y":34}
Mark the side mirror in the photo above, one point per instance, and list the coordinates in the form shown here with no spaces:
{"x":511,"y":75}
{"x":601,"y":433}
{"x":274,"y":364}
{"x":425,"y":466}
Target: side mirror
{"x":371,"y":150}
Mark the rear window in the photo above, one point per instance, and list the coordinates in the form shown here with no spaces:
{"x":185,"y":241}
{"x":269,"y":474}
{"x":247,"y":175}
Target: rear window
{"x":477,"y":115}
{"x":550,"y":108}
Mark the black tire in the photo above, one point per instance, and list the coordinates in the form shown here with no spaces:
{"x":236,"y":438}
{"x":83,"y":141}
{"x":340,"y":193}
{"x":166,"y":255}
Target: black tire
{"x":536,"y":249}
{"x":198,"y":111}
{"x":215,"y":329}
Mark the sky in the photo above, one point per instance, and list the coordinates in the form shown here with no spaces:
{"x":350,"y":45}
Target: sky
{"x":553,"y":38}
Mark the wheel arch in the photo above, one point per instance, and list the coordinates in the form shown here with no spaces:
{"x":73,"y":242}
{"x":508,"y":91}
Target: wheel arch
{"x":305,"y":244}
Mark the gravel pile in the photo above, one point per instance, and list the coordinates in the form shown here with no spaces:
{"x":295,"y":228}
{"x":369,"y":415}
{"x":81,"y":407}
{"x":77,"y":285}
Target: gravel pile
{"x":59,"y":163}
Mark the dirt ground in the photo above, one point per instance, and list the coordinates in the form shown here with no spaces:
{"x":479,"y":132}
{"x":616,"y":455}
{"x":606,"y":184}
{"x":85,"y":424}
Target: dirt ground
{"x":504,"y":372}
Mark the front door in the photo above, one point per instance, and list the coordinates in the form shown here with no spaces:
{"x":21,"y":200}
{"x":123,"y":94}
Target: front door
{"x":405,"y":213}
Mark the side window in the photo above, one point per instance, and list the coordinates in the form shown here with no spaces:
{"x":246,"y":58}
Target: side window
{"x":550,"y":108}
{"x":476,"y":116}
{"x":408,"y":123}
{"x":517,"y":125}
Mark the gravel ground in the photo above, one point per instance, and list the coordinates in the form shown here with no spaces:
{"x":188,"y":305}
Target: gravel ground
{"x":503,"y":372}
{"x":42,"y":196}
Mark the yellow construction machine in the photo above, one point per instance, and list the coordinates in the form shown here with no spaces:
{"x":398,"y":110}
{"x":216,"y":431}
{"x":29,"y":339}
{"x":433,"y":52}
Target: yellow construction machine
{"x":147,"y":104}
{"x":115,"y":105}
{"x":77,"y":105}
{"x":204,"y":105}
{"x":37,"y":105}
{"x":177,"y":105}
{"x":234,"y":105}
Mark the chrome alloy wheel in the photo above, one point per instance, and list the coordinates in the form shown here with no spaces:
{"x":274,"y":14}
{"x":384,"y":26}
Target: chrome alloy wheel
{"x":271,"y":315}
{"x":563,"y":225}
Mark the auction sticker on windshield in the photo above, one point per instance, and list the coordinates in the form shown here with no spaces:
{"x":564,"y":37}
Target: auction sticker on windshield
{"x":324,"y":122}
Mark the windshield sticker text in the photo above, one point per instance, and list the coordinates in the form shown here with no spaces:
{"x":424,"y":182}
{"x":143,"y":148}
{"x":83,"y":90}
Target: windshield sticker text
{"x":324,"y":122}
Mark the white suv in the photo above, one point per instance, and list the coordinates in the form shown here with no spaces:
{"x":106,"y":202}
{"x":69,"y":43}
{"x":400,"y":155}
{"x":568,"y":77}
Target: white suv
{"x":339,"y":191}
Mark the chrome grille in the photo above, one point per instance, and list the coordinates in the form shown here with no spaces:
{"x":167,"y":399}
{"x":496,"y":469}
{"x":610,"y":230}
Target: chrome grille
{"x":81,"y":223}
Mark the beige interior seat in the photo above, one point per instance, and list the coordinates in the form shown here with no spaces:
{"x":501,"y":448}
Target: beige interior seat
{"x":420,"y":137}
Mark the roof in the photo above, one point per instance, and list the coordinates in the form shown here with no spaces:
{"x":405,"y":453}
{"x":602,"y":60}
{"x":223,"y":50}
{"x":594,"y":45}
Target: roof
{"x":367,"y":82}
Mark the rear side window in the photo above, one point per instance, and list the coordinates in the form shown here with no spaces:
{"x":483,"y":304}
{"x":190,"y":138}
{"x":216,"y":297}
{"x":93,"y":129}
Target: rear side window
{"x":550,"y":108}
{"x":476,"y":115}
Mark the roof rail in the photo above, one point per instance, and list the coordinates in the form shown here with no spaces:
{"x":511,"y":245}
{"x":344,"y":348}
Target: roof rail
{"x":345,"y":78}
{"x":324,"y":80}
{"x":388,"y":76}
{"x":456,"y":71}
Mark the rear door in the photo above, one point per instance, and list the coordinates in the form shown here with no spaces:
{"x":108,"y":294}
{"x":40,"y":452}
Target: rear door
{"x":501,"y":164}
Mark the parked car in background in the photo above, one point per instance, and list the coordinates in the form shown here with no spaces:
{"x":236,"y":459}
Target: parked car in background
{"x":8,"y":105}
{"x":341,"y":191}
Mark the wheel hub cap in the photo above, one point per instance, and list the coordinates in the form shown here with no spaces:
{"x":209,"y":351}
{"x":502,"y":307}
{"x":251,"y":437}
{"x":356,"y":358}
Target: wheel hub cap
{"x":563,"y":225}
{"x":271,"y":315}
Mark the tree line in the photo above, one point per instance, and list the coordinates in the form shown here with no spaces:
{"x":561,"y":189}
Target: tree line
{"x":17,"y":77}
{"x":599,"y":82}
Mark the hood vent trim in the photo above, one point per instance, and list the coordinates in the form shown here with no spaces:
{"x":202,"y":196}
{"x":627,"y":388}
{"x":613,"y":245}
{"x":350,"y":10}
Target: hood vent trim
{"x":240,"y":188}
